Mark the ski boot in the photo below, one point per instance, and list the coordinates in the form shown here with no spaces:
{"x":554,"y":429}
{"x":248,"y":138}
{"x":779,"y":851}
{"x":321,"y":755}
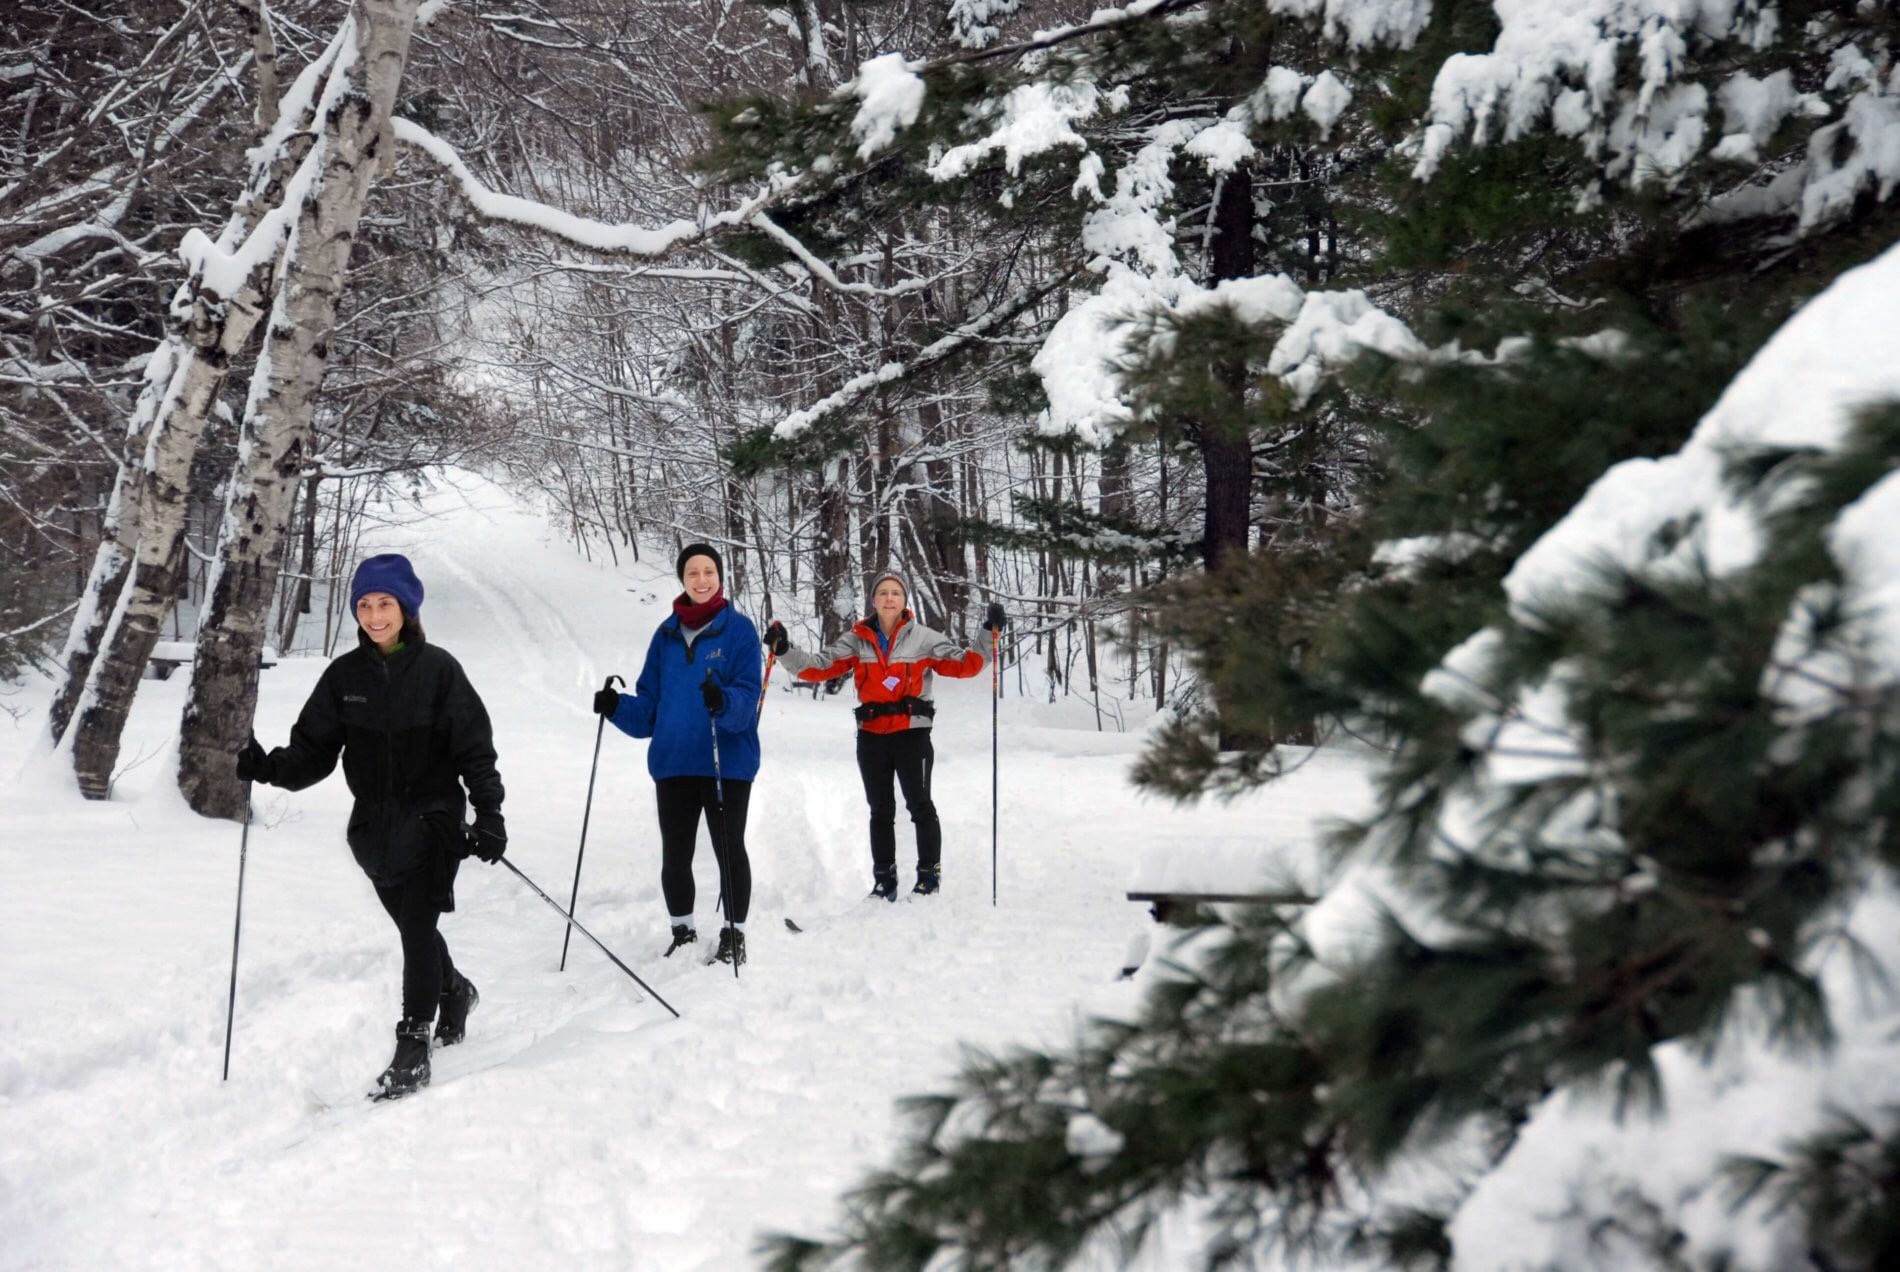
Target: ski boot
{"x":682,"y":935}
{"x":731,"y":947}
{"x":927,"y":882}
{"x":451,"y":1013}
{"x":408,"y":1072}
{"x":884,"y":886}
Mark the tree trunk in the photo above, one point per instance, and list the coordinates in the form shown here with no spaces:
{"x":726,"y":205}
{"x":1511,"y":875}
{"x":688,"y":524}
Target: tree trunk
{"x":832,"y":549}
{"x":939,"y":516}
{"x":1227,"y":445}
{"x":298,"y":603}
{"x":182,"y":380}
{"x":137,"y":570}
{"x":1226,"y":449}
{"x":278,"y":417}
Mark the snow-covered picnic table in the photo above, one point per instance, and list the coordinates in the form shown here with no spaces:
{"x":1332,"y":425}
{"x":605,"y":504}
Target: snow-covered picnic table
{"x":169,"y":655}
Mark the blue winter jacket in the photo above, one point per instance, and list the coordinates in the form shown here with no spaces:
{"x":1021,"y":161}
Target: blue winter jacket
{"x":665,"y":704}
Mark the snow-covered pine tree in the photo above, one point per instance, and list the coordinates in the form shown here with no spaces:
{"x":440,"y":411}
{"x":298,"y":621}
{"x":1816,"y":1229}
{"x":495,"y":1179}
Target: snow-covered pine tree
{"x":1638,"y":819}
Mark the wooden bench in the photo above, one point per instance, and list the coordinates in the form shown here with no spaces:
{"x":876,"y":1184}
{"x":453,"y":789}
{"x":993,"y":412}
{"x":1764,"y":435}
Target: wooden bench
{"x":1177,"y":877}
{"x":169,"y":655}
{"x":1165,"y":905}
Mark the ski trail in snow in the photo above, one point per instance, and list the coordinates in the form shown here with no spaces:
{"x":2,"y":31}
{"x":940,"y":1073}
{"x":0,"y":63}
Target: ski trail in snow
{"x":578,"y":1126}
{"x":513,"y":622}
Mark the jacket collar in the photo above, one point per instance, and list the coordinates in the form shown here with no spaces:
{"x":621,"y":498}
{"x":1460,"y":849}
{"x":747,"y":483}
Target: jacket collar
{"x":411,"y":642}
{"x":671,"y":623}
{"x":868,"y":629}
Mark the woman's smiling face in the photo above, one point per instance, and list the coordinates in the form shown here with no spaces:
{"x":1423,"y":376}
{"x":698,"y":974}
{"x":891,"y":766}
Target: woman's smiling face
{"x":380,"y":615}
{"x":701,"y":578}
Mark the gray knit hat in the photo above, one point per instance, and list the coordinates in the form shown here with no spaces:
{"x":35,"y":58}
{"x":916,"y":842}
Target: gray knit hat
{"x":871,"y":596}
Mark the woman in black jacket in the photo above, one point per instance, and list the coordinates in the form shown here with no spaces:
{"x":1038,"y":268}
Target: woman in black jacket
{"x":411,"y":732}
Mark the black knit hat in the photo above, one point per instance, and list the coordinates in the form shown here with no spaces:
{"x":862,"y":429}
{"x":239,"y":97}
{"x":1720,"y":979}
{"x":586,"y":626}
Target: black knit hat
{"x":692,"y":550}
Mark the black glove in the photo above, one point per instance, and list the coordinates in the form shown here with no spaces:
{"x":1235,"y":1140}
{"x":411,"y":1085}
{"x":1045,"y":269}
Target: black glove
{"x":606,"y":702}
{"x":712,"y":695}
{"x":488,"y":837}
{"x":775,"y":638}
{"x":253,"y":765}
{"x":995,"y":621}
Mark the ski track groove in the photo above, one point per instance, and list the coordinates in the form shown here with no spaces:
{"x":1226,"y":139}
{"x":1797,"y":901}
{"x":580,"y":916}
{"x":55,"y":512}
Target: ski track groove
{"x":578,"y":1125}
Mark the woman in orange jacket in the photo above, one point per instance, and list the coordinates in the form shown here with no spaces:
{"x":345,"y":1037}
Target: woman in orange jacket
{"x":891,"y":658}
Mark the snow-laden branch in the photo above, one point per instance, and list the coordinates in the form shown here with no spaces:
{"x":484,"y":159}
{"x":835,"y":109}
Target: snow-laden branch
{"x":824,"y":273}
{"x":930,"y":355}
{"x":39,"y":623}
{"x":1083,"y":362}
{"x":1101,"y":20}
{"x":598,"y":236}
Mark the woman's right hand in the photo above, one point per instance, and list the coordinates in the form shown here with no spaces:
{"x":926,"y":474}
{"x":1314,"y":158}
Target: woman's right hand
{"x":253,"y":764}
{"x":606,"y":702}
{"x":775,"y":638}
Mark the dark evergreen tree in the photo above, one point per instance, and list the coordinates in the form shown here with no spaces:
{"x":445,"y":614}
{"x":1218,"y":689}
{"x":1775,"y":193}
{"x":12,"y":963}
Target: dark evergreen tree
{"x":1588,"y":285}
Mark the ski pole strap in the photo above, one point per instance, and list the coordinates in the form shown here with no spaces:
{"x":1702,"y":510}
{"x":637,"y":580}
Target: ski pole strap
{"x":869,"y":711}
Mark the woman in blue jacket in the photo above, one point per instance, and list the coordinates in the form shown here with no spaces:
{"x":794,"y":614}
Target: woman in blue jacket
{"x":701,"y":673}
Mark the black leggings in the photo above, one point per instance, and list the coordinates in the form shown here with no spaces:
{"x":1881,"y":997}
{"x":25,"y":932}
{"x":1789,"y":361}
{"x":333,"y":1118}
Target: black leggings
{"x":426,"y":968}
{"x":681,"y":800}
{"x":908,"y":756}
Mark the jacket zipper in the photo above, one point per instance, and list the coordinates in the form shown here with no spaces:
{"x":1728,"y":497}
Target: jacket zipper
{"x":389,"y":738}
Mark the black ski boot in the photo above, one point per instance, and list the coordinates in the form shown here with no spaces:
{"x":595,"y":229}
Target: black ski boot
{"x":408,"y":1072}
{"x":927,"y":882}
{"x":451,"y":1013}
{"x":884,"y":885}
{"x":682,"y":935}
{"x":731,"y":946}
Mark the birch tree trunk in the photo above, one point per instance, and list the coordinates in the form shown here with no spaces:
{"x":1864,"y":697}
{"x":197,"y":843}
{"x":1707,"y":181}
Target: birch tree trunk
{"x":182,"y":380}
{"x":354,"y":141}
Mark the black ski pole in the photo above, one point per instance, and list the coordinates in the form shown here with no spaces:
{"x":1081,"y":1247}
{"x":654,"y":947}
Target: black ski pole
{"x":237,"y":929}
{"x":996,"y":689}
{"x":587,"y":812}
{"x":575,"y":924}
{"x":719,"y":789}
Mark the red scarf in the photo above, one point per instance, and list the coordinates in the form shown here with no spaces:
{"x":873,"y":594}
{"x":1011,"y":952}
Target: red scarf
{"x":691,"y":615}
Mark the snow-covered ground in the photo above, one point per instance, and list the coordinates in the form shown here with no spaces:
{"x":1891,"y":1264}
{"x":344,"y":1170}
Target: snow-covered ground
{"x":579,"y":1126}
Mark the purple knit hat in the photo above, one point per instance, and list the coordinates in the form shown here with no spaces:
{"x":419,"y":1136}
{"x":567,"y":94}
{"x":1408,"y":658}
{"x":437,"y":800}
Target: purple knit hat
{"x":391,"y":573}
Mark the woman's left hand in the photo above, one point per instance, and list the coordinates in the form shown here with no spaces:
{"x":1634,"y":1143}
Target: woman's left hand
{"x":488,"y":837}
{"x":711,"y":694}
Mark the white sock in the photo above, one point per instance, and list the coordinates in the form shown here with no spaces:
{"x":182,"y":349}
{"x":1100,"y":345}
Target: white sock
{"x":680,"y":920}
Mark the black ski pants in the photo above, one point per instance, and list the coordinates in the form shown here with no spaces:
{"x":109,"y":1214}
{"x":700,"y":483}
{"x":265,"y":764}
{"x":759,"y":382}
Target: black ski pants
{"x":909,"y":757}
{"x":681,"y":800}
{"x":412,"y":902}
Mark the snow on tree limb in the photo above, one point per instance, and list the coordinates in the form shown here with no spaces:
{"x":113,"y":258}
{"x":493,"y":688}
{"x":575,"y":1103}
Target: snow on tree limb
{"x":937,"y":351}
{"x":38,"y":623}
{"x":599,"y":236}
{"x":890,"y":96}
{"x":1322,"y":332}
{"x":1635,"y":83}
{"x":824,"y":273}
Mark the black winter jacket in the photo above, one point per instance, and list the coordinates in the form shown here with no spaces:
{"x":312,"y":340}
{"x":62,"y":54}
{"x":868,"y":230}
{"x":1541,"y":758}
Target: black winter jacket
{"x":408,"y":726}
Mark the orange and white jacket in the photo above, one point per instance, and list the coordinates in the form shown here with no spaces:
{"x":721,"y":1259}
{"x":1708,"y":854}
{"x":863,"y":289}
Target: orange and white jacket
{"x":888,"y":679}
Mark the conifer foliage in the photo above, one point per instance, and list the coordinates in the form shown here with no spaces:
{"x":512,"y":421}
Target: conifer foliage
{"x":1635,"y":822}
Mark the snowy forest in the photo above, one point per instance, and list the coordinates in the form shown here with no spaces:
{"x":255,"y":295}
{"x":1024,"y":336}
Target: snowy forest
{"x":1436,"y":457}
